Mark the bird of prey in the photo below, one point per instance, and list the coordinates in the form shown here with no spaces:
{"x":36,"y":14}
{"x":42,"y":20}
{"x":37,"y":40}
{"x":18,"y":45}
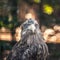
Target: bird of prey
{"x":32,"y":45}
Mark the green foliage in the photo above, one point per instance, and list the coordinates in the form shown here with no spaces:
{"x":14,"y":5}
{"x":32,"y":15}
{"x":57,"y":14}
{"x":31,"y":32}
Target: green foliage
{"x":4,"y":22}
{"x":13,"y":8}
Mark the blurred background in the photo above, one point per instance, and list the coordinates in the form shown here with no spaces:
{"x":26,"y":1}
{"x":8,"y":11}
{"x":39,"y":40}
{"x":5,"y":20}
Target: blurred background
{"x":49,"y":19}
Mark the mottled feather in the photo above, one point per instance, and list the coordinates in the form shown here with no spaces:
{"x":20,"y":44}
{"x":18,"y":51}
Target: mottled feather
{"x":31,"y":46}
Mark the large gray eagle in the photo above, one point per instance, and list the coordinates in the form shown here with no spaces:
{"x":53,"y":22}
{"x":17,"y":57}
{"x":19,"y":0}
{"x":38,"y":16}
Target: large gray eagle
{"x":32,"y":45}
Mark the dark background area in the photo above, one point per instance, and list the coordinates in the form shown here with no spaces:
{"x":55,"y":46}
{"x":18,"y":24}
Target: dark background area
{"x":9,"y":9}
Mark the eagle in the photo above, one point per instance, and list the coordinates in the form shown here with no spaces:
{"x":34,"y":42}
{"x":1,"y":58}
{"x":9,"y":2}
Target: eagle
{"x":32,"y":45}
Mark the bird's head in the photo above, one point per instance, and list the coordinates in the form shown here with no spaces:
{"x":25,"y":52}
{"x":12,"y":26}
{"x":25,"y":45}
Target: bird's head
{"x":30,"y":26}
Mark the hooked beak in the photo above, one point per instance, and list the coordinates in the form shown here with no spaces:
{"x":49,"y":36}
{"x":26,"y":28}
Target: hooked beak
{"x":32,"y":28}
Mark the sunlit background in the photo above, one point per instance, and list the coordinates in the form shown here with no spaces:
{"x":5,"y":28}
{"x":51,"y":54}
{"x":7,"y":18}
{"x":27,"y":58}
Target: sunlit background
{"x":49,"y":19}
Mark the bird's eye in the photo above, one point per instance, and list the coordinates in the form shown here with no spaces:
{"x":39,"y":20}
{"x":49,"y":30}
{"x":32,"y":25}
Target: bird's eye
{"x":26,"y":26}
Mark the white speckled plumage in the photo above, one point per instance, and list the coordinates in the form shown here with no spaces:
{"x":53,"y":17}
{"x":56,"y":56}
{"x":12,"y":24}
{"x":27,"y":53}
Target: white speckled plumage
{"x":31,"y":46}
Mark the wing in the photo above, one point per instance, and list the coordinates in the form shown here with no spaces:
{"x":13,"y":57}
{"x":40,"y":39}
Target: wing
{"x":16,"y":51}
{"x":42,"y":53}
{"x":13,"y":54}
